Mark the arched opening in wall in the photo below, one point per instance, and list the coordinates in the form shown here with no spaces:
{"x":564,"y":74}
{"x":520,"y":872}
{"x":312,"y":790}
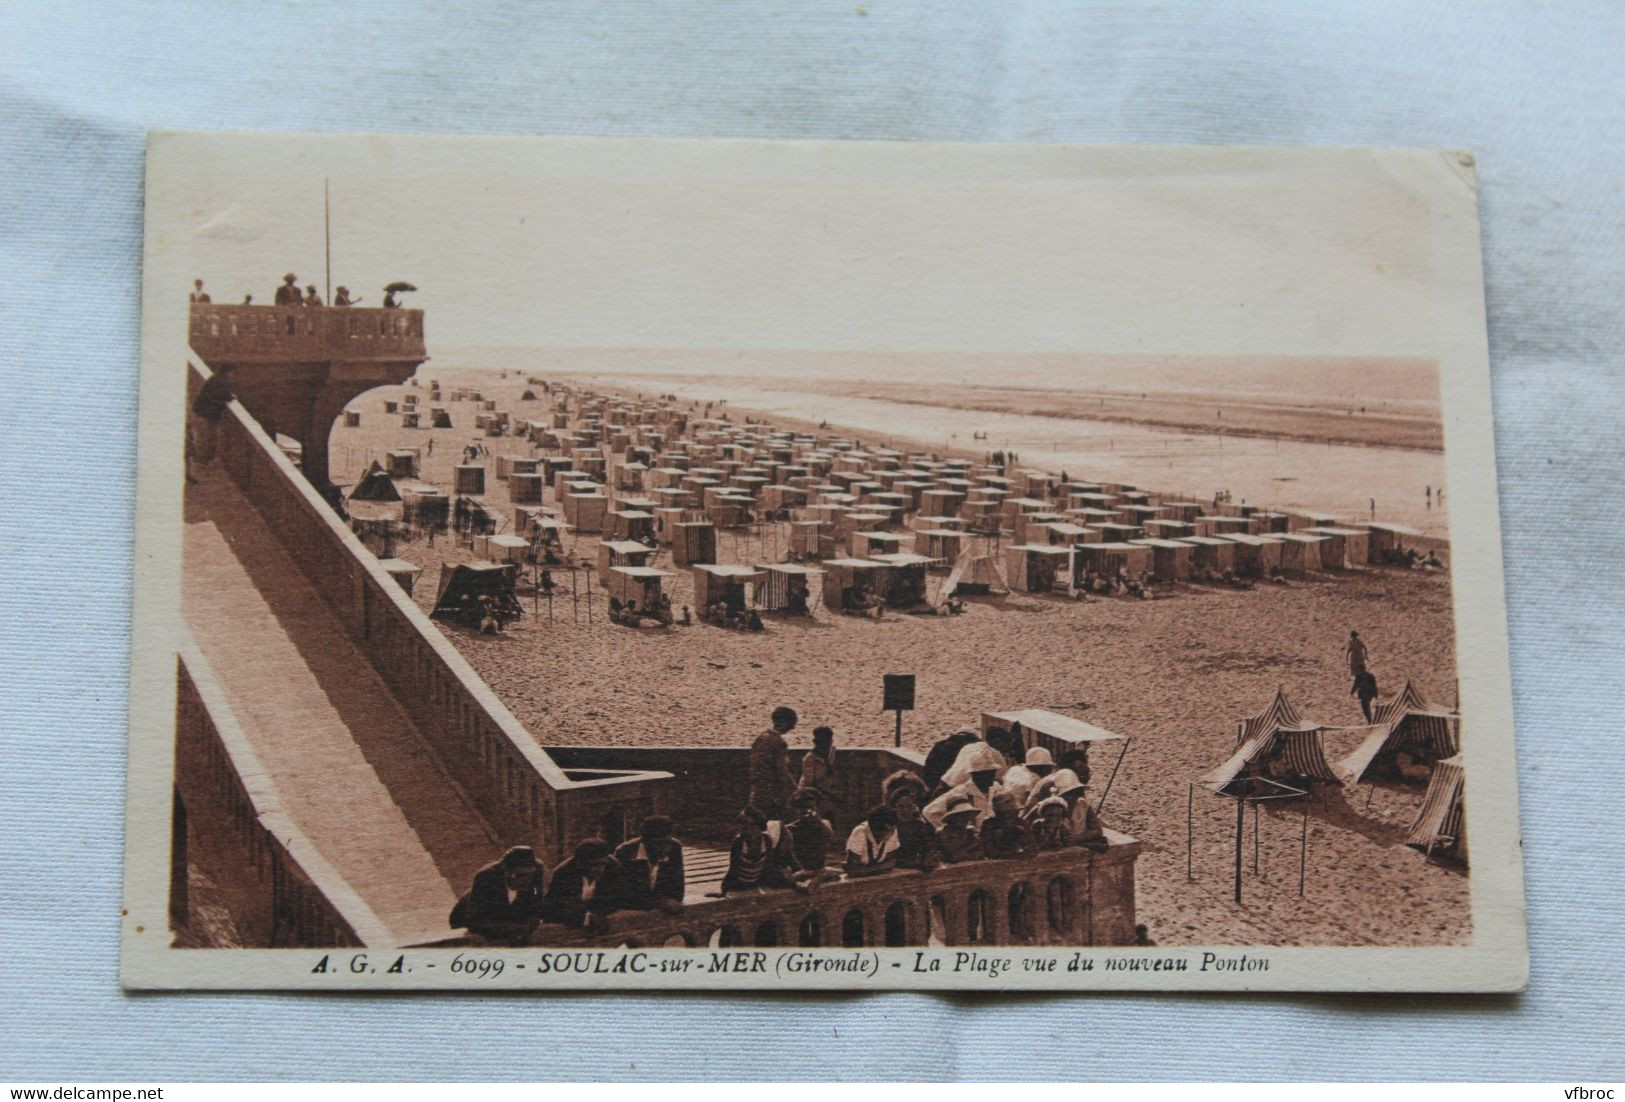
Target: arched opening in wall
{"x":678,"y":941}
{"x":852,"y":929}
{"x":1021,"y":913}
{"x":811,"y":933}
{"x":979,"y":918}
{"x":767,"y":934}
{"x":936,"y":921}
{"x":897,"y":924}
{"x":1059,"y":910}
{"x":724,"y":937}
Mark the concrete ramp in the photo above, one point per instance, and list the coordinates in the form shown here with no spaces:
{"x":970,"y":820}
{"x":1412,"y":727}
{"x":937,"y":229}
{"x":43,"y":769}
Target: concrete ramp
{"x":348,"y":763}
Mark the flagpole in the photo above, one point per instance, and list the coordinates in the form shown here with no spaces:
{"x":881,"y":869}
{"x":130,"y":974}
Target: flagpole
{"x":327,"y":238}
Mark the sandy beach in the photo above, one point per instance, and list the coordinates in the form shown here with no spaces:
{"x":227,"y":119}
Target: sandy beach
{"x":1172,"y":674}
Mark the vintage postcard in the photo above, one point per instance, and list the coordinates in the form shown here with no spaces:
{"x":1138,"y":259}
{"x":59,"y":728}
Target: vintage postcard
{"x":660,"y":565}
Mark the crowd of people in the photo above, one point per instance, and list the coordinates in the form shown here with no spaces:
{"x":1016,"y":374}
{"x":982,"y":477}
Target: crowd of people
{"x":631,"y":615}
{"x":510,"y":898}
{"x":975,"y":799}
{"x":289,"y":294}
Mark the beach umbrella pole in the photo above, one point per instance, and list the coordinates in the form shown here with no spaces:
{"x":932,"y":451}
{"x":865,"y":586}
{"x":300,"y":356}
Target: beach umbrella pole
{"x":1241,"y":813}
{"x":1190,"y":828}
{"x":1303,"y":848}
{"x":1121,"y":754}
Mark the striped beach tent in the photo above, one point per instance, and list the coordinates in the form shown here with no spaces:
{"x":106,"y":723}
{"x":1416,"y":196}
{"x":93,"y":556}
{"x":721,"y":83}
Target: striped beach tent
{"x":1408,"y":699}
{"x":1428,"y":737}
{"x":1291,"y":755}
{"x":1440,"y":829}
{"x":1279,"y":712}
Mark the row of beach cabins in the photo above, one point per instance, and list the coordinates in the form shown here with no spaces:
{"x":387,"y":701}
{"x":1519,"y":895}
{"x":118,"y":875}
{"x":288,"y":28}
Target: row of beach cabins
{"x":875,"y":521}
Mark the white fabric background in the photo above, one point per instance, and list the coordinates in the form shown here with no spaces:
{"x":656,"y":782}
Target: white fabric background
{"x":1534,"y":89}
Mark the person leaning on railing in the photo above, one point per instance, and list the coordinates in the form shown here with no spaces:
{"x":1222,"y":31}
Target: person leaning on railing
{"x":581,"y":893}
{"x":872,"y":847}
{"x":649,"y":870}
{"x":506,"y":901}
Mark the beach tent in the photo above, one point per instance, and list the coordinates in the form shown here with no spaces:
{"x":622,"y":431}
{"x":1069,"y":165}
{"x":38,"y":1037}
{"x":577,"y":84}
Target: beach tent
{"x":780,"y":496}
{"x":1211,"y":553}
{"x":1426,"y":737}
{"x":440,"y":420}
{"x":426,"y":507}
{"x":850,"y":524}
{"x":1112,"y":532}
{"x":1038,"y":568}
{"x":1383,"y":540}
{"x":1408,"y":698}
{"x":844,"y":579}
{"x":636,"y":583}
{"x":939,"y":544}
{"x":470,"y":516}
{"x":811,"y":539}
{"x":1062,"y":534}
{"x":1170,"y":559}
{"x":403,"y":463}
{"x":630,"y":476}
{"x":1440,"y":829}
{"x":941,"y":502}
{"x":525,"y":489}
{"x":1300,"y":551}
{"x":728,"y":510}
{"x":586,"y":512}
{"x":461,"y":584}
{"x":470,"y":479}
{"x":1344,"y":546}
{"x":501,"y":548}
{"x":1030,"y":527}
{"x":632,"y":524}
{"x":905,"y":582}
{"x":1058,"y":734}
{"x":1279,"y":712}
{"x":375,"y":485}
{"x":693,"y":542}
{"x":728,"y":583}
{"x":546,"y":533}
{"x":975,"y":574}
{"x":1111,"y":558}
{"x":786,"y":586}
{"x":1293,"y":755}
{"x":613,"y":553}
{"x":870,"y":544}
{"x":1250,"y":554}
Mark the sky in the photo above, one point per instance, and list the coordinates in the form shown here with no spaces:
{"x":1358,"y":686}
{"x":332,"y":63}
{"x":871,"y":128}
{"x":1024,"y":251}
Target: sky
{"x":862,"y":246}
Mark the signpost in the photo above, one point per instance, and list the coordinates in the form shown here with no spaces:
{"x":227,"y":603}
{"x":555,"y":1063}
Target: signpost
{"x":898,"y":696}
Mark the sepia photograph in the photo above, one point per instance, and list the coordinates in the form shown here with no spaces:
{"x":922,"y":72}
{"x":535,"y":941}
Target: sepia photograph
{"x":672,"y":564}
